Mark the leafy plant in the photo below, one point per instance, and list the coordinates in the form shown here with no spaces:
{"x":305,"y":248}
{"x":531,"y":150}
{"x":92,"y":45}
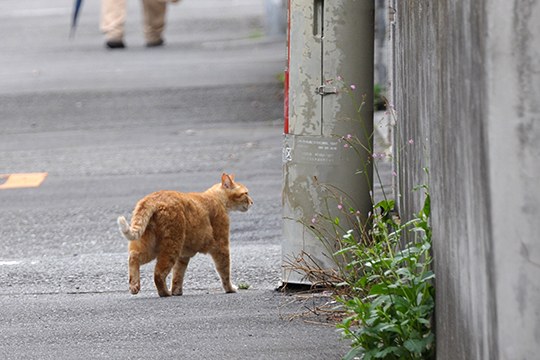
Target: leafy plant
{"x":391,"y":299}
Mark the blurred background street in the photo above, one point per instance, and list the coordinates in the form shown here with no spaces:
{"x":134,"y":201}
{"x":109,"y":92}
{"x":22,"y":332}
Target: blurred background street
{"x":111,"y":126}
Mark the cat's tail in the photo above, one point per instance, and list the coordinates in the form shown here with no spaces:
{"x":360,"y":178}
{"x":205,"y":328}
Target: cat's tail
{"x":139,"y":222}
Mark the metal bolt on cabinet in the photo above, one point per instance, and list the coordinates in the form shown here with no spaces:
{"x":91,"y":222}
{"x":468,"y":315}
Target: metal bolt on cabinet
{"x":330,"y":48}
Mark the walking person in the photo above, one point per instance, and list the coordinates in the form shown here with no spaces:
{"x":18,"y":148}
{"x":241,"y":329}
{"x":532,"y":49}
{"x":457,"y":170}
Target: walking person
{"x":113,"y":19}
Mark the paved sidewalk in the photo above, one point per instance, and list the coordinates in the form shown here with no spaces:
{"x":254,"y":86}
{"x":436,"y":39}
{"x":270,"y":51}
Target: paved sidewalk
{"x":252,"y":324}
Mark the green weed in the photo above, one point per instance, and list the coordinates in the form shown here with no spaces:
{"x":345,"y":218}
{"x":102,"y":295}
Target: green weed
{"x":243,"y":285}
{"x":391,"y":296}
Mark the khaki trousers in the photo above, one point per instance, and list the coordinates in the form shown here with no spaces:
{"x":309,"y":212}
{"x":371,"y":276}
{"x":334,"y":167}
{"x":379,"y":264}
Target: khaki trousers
{"x":113,"y":18}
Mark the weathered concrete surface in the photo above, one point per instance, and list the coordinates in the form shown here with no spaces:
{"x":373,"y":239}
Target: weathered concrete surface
{"x":328,"y":43}
{"x":513,"y":135}
{"x":466,"y":91}
{"x":381,"y":43}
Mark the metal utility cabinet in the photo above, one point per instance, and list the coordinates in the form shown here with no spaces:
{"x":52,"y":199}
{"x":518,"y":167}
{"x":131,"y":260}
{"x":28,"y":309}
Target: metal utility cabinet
{"x":330,"y":48}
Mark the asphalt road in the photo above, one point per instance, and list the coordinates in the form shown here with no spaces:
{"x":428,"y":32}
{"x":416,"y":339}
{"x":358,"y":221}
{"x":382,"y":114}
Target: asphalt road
{"x":109,"y":127}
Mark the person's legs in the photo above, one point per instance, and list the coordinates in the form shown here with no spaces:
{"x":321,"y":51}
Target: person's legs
{"x":154,"y":21}
{"x":113,"y":18}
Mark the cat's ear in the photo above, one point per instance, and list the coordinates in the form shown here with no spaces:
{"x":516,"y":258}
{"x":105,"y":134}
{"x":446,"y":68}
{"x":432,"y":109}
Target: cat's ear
{"x":227,"y":181}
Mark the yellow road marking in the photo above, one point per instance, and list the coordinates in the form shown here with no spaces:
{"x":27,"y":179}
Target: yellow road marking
{"x":17,"y":181}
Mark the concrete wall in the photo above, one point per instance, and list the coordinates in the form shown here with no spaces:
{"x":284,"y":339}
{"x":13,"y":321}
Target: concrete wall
{"x":466,"y":88}
{"x":381,"y":44}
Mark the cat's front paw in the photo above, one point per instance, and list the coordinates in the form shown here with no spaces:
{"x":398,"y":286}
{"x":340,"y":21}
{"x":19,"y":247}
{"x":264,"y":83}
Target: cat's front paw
{"x":164,"y":293}
{"x":134,"y":288}
{"x":176,"y":292}
{"x":231,"y":289}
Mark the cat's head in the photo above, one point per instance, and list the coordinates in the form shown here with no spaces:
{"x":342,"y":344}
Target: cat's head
{"x":237,"y":194}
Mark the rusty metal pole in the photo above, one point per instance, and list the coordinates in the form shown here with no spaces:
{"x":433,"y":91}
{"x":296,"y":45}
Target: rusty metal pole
{"x":329,"y":74}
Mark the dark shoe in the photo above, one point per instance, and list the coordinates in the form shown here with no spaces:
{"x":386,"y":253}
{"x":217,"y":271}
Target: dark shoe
{"x":115,"y":44}
{"x":156,"y":43}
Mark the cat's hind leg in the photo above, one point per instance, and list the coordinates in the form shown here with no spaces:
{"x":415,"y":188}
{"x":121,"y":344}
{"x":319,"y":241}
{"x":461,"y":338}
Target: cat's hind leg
{"x":164,"y":265}
{"x":223,"y":266}
{"x":136,"y":259}
{"x":134,"y":273}
{"x":139,"y":253}
{"x":179,"y":270}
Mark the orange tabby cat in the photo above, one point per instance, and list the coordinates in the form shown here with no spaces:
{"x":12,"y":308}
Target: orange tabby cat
{"x":173,"y":226}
